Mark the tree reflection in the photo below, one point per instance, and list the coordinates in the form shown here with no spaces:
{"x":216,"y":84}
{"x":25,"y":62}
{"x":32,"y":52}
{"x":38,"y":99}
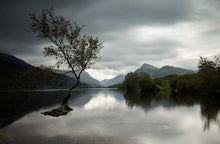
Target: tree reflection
{"x":15,"y":105}
{"x":210,"y":111}
{"x":209,"y":105}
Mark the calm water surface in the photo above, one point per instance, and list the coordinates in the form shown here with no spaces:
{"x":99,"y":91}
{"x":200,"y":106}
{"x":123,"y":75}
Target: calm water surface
{"x":108,"y":116}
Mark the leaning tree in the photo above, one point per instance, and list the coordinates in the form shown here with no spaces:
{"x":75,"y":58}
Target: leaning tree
{"x":68,"y":46}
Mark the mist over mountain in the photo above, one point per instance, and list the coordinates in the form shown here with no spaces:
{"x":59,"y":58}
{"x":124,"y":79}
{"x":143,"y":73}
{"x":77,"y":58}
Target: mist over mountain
{"x":116,"y":80}
{"x":85,"y":78}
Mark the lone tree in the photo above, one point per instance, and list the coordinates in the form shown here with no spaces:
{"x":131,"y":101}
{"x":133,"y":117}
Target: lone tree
{"x":69,"y":46}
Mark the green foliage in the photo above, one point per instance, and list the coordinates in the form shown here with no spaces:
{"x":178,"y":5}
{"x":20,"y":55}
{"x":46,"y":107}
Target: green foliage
{"x":60,"y":111}
{"x":164,"y":82}
{"x":207,"y":65}
{"x":131,"y":82}
{"x":207,"y":80}
{"x":134,"y":82}
{"x":69,"y":46}
{"x":147,"y":84}
{"x":185,"y":83}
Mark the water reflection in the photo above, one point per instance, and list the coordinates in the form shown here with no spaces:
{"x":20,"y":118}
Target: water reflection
{"x":113,"y":117}
{"x":16,"y":104}
{"x":209,"y":105}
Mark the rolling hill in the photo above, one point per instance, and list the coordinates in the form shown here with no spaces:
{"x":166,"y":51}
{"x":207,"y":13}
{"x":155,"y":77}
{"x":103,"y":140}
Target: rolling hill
{"x":17,"y":74}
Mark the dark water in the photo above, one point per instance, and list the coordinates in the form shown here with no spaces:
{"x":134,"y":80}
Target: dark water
{"x":109,"y":116}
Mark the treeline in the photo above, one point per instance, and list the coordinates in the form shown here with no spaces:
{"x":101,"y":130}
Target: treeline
{"x":206,"y":80}
{"x":143,"y":82}
{"x":34,"y":78}
{"x":41,"y":78}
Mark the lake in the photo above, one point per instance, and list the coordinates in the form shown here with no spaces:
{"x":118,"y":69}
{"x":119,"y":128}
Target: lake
{"x":109,"y":116}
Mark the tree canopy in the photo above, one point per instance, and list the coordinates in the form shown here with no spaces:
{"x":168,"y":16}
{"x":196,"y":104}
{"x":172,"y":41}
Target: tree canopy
{"x":69,"y":46}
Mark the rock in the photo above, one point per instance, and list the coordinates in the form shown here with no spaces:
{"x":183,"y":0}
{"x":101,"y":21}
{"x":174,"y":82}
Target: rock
{"x":60,"y":111}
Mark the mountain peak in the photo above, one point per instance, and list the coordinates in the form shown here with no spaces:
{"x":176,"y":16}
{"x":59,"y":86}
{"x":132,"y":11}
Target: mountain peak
{"x":173,"y":67}
{"x":146,"y":68}
{"x":163,"y":71}
{"x":149,"y":66}
{"x":168,"y":66}
{"x":166,"y":70}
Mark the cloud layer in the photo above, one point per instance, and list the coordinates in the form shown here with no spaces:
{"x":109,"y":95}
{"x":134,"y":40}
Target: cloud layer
{"x":162,"y":32}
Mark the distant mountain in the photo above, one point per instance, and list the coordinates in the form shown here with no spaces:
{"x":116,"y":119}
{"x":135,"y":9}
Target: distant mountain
{"x":87,"y":79}
{"x":146,"y":68}
{"x":116,"y":80}
{"x":11,"y":62}
{"x":155,"y":72}
{"x":167,"y":70}
{"x":17,"y":74}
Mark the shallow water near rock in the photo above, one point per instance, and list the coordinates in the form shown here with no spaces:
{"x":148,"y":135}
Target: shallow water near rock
{"x":108,"y":116}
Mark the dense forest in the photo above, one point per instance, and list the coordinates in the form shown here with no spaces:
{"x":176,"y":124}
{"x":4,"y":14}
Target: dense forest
{"x":205,"y":81}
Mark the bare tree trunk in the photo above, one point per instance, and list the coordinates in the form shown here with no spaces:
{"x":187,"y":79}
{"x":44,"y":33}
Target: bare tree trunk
{"x":66,"y":98}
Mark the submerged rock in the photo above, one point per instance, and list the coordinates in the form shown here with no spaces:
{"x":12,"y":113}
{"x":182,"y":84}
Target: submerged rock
{"x":60,"y":111}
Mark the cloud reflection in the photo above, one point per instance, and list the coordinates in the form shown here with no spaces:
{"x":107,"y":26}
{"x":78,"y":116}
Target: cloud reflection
{"x":102,"y":102}
{"x":105,"y":118}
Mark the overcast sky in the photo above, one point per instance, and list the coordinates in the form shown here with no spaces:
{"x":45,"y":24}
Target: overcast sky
{"x":134,"y":32}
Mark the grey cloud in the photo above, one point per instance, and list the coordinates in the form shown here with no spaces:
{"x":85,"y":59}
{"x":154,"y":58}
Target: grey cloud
{"x":212,"y":3}
{"x":212,"y":32}
{"x":120,"y":61}
{"x":114,"y":23}
{"x":15,"y":37}
{"x":114,"y":14}
{"x":99,"y":16}
{"x":157,"y":47}
{"x":131,"y":53}
{"x":208,"y":10}
{"x":164,"y":43}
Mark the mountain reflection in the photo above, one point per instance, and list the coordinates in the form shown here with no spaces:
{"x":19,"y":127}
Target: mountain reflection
{"x":109,"y":116}
{"x":209,"y":105}
{"x":16,"y":104}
